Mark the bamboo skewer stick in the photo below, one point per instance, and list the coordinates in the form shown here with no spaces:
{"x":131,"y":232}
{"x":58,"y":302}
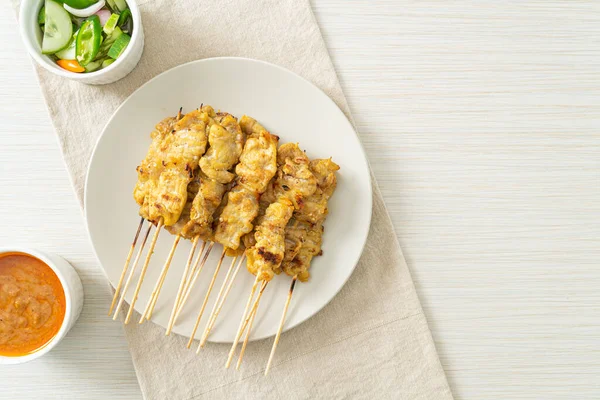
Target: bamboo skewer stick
{"x":159,"y":283}
{"x":243,"y":350}
{"x":148,"y":314}
{"x":130,"y":277}
{"x":125,"y":267}
{"x":255,"y":305}
{"x":159,"y":226}
{"x":182,"y":283}
{"x":218,"y":299}
{"x":156,"y":292}
{"x":281,"y":323}
{"x":189,"y":278}
{"x":210,"y":287}
{"x":144,"y":269}
{"x":219,"y":303}
{"x":221,"y":290}
{"x":239,"y":332}
{"x":163,"y":280}
{"x":245,"y":323}
{"x":197,"y":272}
{"x":190,"y":274}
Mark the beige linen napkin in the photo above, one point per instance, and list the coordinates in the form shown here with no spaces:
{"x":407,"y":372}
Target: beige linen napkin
{"x":372,"y":340}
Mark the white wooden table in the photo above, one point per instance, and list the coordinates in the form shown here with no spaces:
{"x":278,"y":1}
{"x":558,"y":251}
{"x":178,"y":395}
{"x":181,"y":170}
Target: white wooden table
{"x":482,"y":123}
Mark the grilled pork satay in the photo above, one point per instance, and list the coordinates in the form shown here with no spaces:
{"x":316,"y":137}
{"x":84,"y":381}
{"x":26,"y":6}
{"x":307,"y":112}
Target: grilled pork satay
{"x":163,"y":177}
{"x":247,"y":240}
{"x":181,"y":229}
{"x":294,"y":237}
{"x":212,"y":182}
{"x":179,"y":153}
{"x":311,"y":247}
{"x":151,"y":166}
{"x":308,"y":226}
{"x":148,"y":173}
{"x":307,"y":230}
{"x":204,"y":197}
{"x":226,"y":144}
{"x":267,"y":253}
{"x":226,"y":141}
{"x":256,"y":167}
{"x":294,"y":181}
{"x":258,"y":163}
{"x":205,"y":192}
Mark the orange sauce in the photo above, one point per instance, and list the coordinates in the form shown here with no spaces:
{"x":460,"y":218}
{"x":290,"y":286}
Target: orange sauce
{"x":32,"y":304}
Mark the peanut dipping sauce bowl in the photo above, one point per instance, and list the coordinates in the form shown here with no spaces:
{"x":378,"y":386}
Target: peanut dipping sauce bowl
{"x":73,"y":290}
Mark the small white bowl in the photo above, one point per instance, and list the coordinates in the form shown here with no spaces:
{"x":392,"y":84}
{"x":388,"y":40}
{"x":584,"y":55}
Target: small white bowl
{"x":73,"y":296}
{"x":32,"y":37}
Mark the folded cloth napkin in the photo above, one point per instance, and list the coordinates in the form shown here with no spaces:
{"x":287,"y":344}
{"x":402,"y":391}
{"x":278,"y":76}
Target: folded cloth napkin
{"x":372,"y":340}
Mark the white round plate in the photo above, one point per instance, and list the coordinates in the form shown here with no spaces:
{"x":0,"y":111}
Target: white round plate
{"x":288,"y":106}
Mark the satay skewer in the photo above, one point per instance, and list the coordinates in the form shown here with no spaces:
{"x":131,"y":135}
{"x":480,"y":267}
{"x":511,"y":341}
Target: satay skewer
{"x":294,"y":181}
{"x":240,"y":331}
{"x":219,"y":303}
{"x":246,"y":322}
{"x":202,"y":308}
{"x":144,"y":269}
{"x":313,"y":215}
{"x":192,"y":281}
{"x":281,"y":323}
{"x":194,"y":272}
{"x":159,"y":283}
{"x":161,"y":221}
{"x":131,"y":273}
{"x":243,"y":350}
{"x":249,"y":330}
{"x":125,"y":267}
{"x":216,"y":304}
{"x":177,"y":144}
{"x":215,"y":178}
{"x":191,"y":275}
{"x":183,"y":280}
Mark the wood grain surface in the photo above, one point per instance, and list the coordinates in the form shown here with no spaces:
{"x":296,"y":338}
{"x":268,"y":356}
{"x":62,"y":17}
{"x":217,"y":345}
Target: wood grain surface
{"x":481,"y":120}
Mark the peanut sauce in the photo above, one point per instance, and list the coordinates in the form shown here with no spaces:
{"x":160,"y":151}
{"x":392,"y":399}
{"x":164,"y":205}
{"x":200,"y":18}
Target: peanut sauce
{"x":32,"y":304}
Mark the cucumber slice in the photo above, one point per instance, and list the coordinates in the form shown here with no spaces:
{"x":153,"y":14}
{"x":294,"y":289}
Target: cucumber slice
{"x":107,"y":62}
{"x":93,"y":66}
{"x":58,"y":29}
{"x":112,"y":5}
{"x":68,"y":53}
{"x":121,"y":5}
{"x":111,"y":24}
{"x":119,"y":46}
{"x":108,"y":42}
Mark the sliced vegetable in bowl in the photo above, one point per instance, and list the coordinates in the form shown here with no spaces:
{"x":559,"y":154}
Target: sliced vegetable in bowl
{"x":119,"y":46}
{"x":68,"y":53}
{"x":102,"y":32}
{"x":57,"y":27}
{"x":85,"y":12}
{"x":70,"y":65}
{"x":79,"y":3}
{"x":88,"y":40}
